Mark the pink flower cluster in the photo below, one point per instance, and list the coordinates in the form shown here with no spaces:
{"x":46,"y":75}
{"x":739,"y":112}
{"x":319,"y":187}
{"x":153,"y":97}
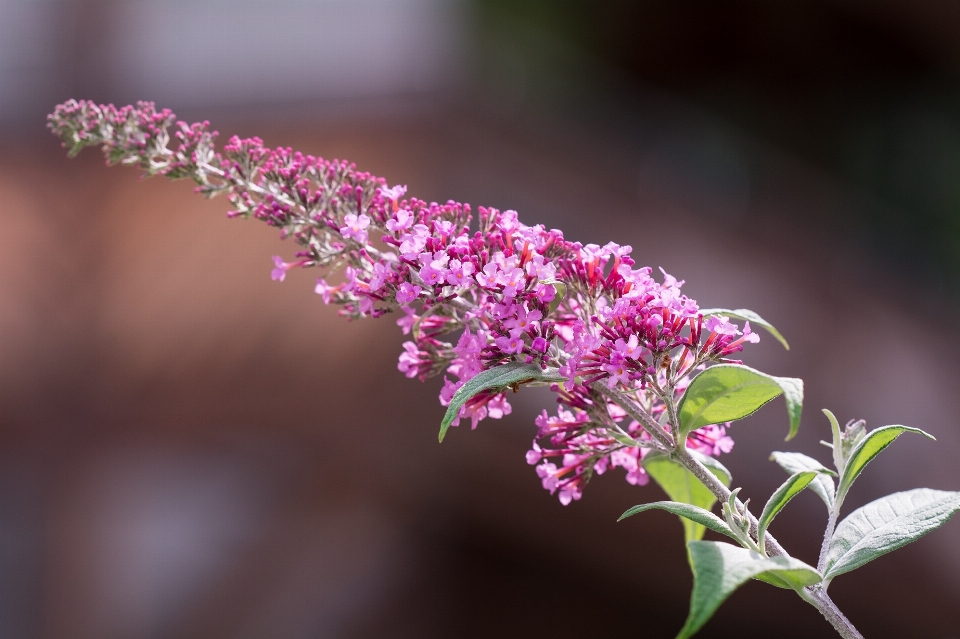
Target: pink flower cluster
{"x":471,"y":293}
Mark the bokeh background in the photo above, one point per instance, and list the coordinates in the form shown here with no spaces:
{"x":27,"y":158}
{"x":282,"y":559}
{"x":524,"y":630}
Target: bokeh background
{"x":188,"y":449}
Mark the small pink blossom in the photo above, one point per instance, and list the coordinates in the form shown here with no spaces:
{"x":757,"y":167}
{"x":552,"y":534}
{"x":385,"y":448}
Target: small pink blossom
{"x":539,"y":344}
{"x":459,"y":273}
{"x":630,"y":348}
{"x":524,"y":319}
{"x":512,"y":281}
{"x":431,"y":275}
{"x":512,"y":343}
{"x":489,"y":276}
{"x":279,"y":273}
{"x":498,"y":406}
{"x":401,"y":221}
{"x":381,"y":273}
{"x":355,"y":227}
{"x":407,"y":293}
{"x":618,"y":370}
{"x":546,"y":293}
{"x":394,"y":192}
{"x":325,"y":290}
{"x":409,"y":363}
{"x":408,"y":319}
{"x":720,"y":325}
{"x":535,"y":454}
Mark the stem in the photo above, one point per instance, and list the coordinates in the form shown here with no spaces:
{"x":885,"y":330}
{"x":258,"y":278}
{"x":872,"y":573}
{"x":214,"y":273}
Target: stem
{"x":816,"y":596}
{"x":637,"y":412}
{"x":827,"y":536}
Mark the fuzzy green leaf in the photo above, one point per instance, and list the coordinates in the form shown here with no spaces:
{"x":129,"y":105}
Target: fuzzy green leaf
{"x":560,"y":291}
{"x":871,"y":446}
{"x":822,"y":484}
{"x":837,"y":446}
{"x":886,"y":524}
{"x":496,"y":379}
{"x":750,"y":316}
{"x":787,"y":491}
{"x":687,"y":511}
{"x":720,"y":568}
{"x":727,"y":392}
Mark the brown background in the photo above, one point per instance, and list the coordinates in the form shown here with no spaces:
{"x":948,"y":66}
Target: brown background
{"x":188,"y":449}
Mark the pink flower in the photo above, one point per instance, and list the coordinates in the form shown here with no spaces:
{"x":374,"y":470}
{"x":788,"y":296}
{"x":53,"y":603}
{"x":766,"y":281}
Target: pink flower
{"x":570,"y":492}
{"x":498,"y":406}
{"x":279,"y":273}
{"x":489,"y":276}
{"x":547,"y":473}
{"x":710,"y":440}
{"x":402,"y":220}
{"x":412,"y":243}
{"x":324,"y":289}
{"x":459,"y":273}
{"x":720,"y":325}
{"x":524,"y":319}
{"x":512,"y":280}
{"x":355,"y":227}
{"x":618,"y":369}
{"x":535,"y":454}
{"x":630,"y":348}
{"x":512,"y":343}
{"x":546,"y":293}
{"x":408,"y":320}
{"x":410,"y":362}
{"x":617,"y":324}
{"x":407,"y":293}
{"x":541,"y":269}
{"x":381,"y":273}
{"x":393,"y":193}
{"x":539,"y":344}
{"x":431,"y":275}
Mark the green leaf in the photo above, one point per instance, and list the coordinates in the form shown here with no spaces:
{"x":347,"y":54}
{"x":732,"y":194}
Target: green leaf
{"x":887,"y":524}
{"x":750,"y":316}
{"x":720,"y":568}
{"x":560,"y":291}
{"x":868,"y":448}
{"x":837,"y":446}
{"x":726,"y":392}
{"x":682,"y":486}
{"x":495,"y":379}
{"x":790,"y":579}
{"x":822,"y":485}
{"x":787,"y":491}
{"x":687,"y":511}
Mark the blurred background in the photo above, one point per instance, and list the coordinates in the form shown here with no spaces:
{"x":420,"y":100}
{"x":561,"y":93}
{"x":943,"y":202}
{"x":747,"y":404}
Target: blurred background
{"x":188,"y":449}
